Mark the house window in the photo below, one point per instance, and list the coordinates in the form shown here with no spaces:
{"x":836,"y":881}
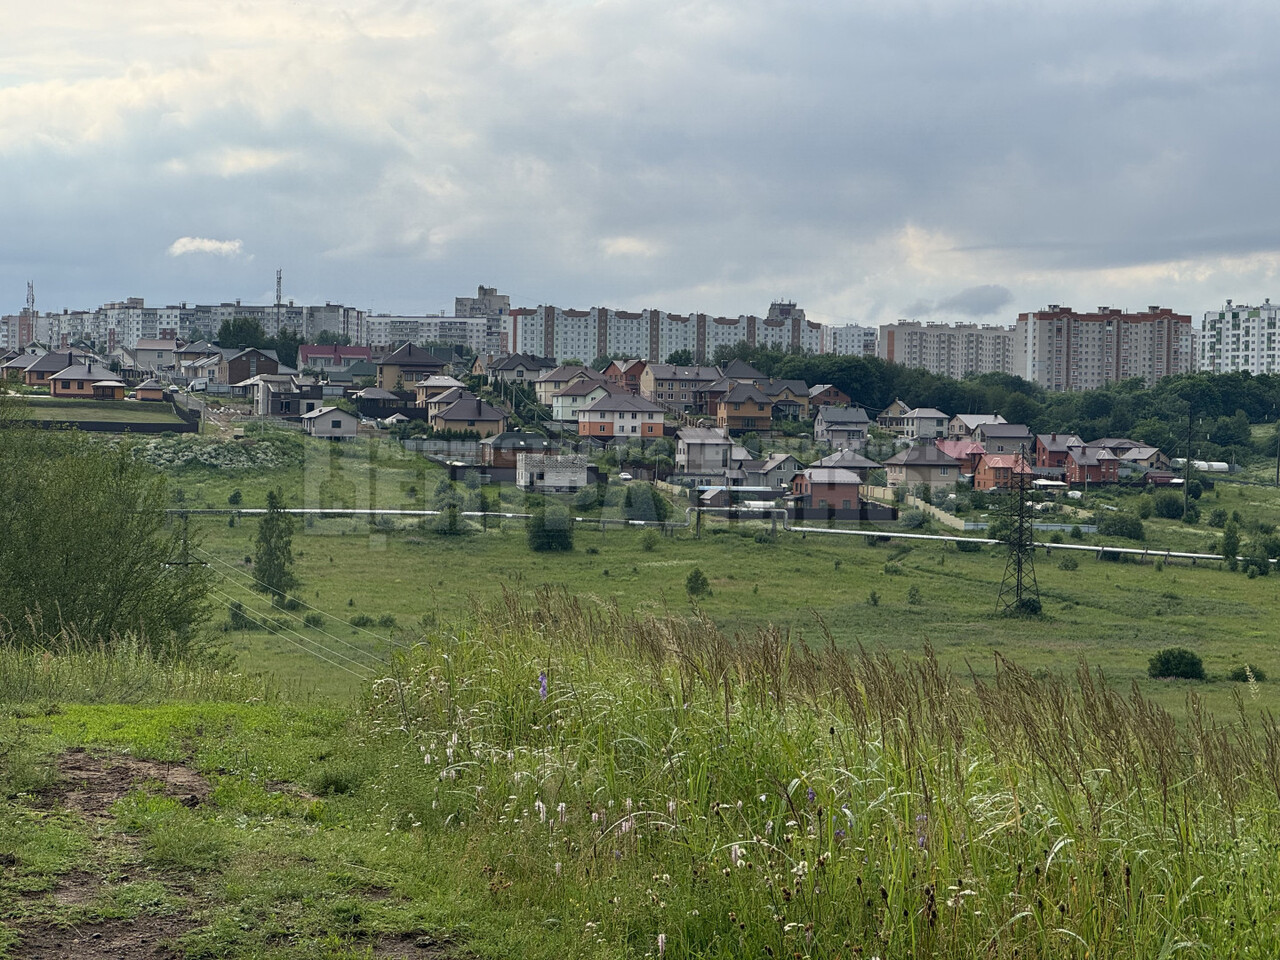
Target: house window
{"x":335,"y":424}
{"x":79,"y":384}
{"x":66,"y":384}
{"x":845,"y":504}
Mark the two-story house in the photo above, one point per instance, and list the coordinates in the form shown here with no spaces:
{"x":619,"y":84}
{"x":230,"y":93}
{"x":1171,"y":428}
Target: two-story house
{"x":843,"y":428}
{"x":620,"y":415}
{"x":744,"y":408}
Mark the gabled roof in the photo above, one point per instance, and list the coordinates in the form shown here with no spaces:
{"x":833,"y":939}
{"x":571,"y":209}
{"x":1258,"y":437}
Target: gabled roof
{"x":1005,"y":430}
{"x":818,"y":388}
{"x":237,"y":354}
{"x":569,"y":371}
{"x":847,"y":459}
{"x":1006,"y":461}
{"x":582,"y":388}
{"x":375,"y":393}
{"x":150,"y":383}
{"x":81,"y":372}
{"x":514,"y":361}
{"x":741,"y":370}
{"x":972,"y":421}
{"x":844,"y":415}
{"x":744,"y":393}
{"x":452,"y":395}
{"x":669,"y":371}
{"x":323,"y":411}
{"x":775,"y":387}
{"x":200,"y":348}
{"x":620,"y":402}
{"x":408,"y":355}
{"x":832,"y":476}
{"x":144,"y":344}
{"x":960,"y":449}
{"x":924,"y":455}
{"x":774,"y":461}
{"x":931,"y":413}
{"x":335,"y":352}
{"x":470,"y":408}
{"x":1058,"y":442}
{"x":439,"y":380}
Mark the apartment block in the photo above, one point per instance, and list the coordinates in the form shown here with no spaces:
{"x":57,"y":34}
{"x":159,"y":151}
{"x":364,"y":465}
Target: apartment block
{"x":1061,"y":349}
{"x":1240,"y":337}
{"x":850,"y":340}
{"x":947,"y":349}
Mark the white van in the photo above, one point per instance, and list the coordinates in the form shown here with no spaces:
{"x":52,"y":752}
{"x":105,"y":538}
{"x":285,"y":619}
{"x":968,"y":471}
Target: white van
{"x":198,"y":385}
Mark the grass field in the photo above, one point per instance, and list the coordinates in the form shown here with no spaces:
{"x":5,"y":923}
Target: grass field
{"x":69,"y":410}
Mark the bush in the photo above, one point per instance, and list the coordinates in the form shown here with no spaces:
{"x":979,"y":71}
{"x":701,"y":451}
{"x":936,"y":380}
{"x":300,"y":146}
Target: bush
{"x":1068,"y":563}
{"x":968,"y":546}
{"x":361,"y":620}
{"x":696,"y":584}
{"x":1218,"y":517}
{"x":1122,"y":525}
{"x":1076,"y":532}
{"x":1175,"y":663}
{"x":1246,"y":673}
{"x":913,"y":596}
{"x":549,"y":529}
{"x":1168,"y":505}
{"x":315,"y":620}
{"x":236,"y":498}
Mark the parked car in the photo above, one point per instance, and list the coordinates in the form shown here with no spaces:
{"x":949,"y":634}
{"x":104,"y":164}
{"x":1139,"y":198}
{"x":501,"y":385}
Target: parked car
{"x":625,"y":477}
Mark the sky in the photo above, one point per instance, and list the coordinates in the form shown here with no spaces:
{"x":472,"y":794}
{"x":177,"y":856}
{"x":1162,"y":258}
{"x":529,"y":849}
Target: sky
{"x":870,"y":161}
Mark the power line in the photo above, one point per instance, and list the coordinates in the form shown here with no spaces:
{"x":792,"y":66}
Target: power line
{"x":351,"y":646}
{"x":271,"y":630}
{"x":233,"y":567}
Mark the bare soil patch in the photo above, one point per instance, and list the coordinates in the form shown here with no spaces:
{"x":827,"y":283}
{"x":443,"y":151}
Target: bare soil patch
{"x":415,"y":946}
{"x":91,"y":784}
{"x":147,"y":938}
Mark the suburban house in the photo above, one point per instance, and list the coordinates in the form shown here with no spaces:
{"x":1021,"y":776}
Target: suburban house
{"x":774,"y":471}
{"x":15,"y":367}
{"x":997,"y":471}
{"x":790,"y":398}
{"x":551,"y":382}
{"x":326,"y":358}
{"x":966,"y":452}
{"x":962,"y":425}
{"x":744,"y":407}
{"x":923,"y":463}
{"x":433,"y":386}
{"x":554,"y":472}
{"x":1052,"y":449}
{"x":625,"y":375}
{"x":236,"y":366}
{"x":155,"y":355}
{"x":406,"y":365}
{"x":1005,"y":438}
{"x":502,"y":449}
{"x":703,"y":451}
{"x":39,"y":372}
{"x":151,"y":389}
{"x":620,"y":415}
{"x":471,"y":414}
{"x":518,"y":367}
{"x":826,"y":395}
{"x":1087,"y":465}
{"x":844,"y":428}
{"x":283,"y":395}
{"x":924,"y":423}
{"x":835,"y":488}
{"x":743,"y":372}
{"x":566,"y":404}
{"x":893,"y":418}
{"x":442,"y":401}
{"x":332,"y":423}
{"x":677,"y":387}
{"x":81,"y":380}
{"x":188,"y":354}
{"x":1131,"y":451}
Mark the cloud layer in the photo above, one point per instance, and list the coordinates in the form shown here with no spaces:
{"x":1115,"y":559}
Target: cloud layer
{"x":971,"y":160}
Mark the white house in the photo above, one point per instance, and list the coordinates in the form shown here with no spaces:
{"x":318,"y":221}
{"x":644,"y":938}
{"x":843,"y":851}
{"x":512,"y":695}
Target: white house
{"x":334,"y":423}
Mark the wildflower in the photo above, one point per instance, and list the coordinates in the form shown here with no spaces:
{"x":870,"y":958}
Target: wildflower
{"x":735,"y":855}
{"x":541,"y":807}
{"x":557,"y":868}
{"x":562,"y":813}
{"x":662,"y":944}
{"x":811,"y":795}
{"x":542,"y":685}
{"x":671,"y":808}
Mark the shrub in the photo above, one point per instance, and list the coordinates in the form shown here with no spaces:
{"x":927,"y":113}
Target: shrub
{"x":764,"y":536}
{"x":1168,"y":505}
{"x":361,"y":620}
{"x":1175,"y":663}
{"x":315,"y":620}
{"x":237,"y":619}
{"x":1076,"y":532}
{"x":1246,"y":673}
{"x":873,"y":599}
{"x":1124,"y":525}
{"x":1218,"y":517}
{"x":549,"y":529}
{"x":696,"y":584}
{"x":892,"y":568}
{"x":1068,"y":563}
{"x":968,"y":546}
{"x":236,"y":498}
{"x":913,"y":596}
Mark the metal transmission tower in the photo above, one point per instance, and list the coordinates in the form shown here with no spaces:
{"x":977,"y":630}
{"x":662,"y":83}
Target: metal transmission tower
{"x":1019,"y":591}
{"x":278,"y":272}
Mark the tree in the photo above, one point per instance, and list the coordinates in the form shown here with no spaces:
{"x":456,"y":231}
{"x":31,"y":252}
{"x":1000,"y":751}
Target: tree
{"x":549,"y":529}
{"x":330,"y":338}
{"x":86,"y":548}
{"x":1125,"y":525}
{"x":273,"y":560}
{"x":242,"y":332}
{"x":1175,"y":662}
{"x":681,"y":358}
{"x":1230,"y":541}
{"x":696,"y":584}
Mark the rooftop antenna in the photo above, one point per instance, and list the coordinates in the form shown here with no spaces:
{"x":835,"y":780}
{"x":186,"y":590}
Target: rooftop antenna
{"x":1019,"y":591}
{"x":278,"y":272}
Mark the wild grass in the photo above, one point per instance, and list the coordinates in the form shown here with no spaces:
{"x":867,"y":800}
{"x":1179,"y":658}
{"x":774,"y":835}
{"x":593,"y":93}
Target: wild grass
{"x":662,"y":787}
{"x":71,"y":670}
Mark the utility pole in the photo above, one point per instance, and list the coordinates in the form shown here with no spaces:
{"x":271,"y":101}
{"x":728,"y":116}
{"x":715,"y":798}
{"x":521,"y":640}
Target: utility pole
{"x":1019,"y":590}
{"x":1186,"y":473}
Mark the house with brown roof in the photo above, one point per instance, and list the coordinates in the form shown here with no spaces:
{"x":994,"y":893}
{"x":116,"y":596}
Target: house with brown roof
{"x":1052,"y":449}
{"x":1091,"y":464}
{"x":326,"y":358}
{"x":83,"y":380}
{"x":827,"y":395}
{"x":470,"y":414}
{"x":405,"y":366}
{"x":550,"y":382}
{"x":893,"y":418}
{"x":997,"y":471}
{"x":743,"y":408}
{"x":923,"y":463}
{"x":678,"y":387}
{"x":625,"y":374}
{"x":967,"y":452}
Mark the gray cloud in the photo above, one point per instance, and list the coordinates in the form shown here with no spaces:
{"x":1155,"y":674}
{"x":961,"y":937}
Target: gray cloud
{"x":850,"y":155}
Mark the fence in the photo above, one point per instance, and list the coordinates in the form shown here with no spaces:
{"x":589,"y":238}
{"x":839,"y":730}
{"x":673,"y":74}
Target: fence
{"x":886,"y":494}
{"x":455,"y":449}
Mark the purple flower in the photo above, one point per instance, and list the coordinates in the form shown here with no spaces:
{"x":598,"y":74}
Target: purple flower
{"x":812,"y":796}
{"x":542,"y":685}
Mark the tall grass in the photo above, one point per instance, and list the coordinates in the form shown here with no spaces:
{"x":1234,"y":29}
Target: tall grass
{"x":69,"y":669}
{"x":667,"y":789}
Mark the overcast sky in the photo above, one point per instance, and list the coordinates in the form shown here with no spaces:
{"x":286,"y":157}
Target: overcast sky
{"x":870,"y":161}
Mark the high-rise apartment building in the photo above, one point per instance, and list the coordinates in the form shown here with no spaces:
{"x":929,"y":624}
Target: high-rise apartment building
{"x":850,"y":340}
{"x":1240,"y":337}
{"x":1064,"y":350}
{"x":947,"y":349}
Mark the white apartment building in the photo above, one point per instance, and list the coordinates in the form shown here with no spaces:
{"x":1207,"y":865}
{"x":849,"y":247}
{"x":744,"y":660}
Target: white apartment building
{"x":564,"y":334}
{"x":1240,"y":337}
{"x":851,"y":340}
{"x":384,"y":331}
{"x":1064,"y":350}
{"x":947,"y":349}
